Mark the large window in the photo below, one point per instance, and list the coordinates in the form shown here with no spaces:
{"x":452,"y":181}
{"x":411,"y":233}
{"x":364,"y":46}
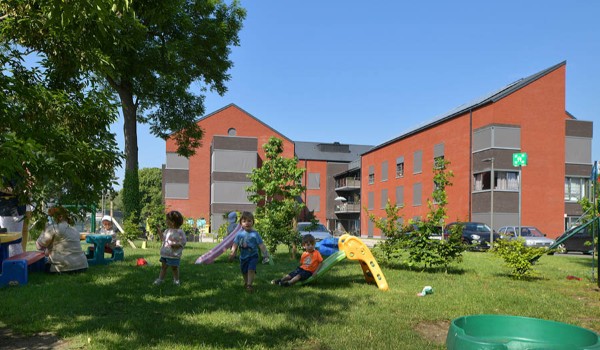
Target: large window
{"x":504,"y":181}
{"x":576,"y":188}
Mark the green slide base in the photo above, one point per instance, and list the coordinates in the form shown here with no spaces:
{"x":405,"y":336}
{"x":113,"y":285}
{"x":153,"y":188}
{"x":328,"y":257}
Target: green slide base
{"x":325,"y":266}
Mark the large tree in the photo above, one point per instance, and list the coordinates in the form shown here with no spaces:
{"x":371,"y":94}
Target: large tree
{"x":148,"y":54}
{"x":55,"y":143}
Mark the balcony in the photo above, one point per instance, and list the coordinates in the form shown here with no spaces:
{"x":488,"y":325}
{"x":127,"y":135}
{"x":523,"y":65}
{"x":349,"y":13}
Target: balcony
{"x":347,"y":208}
{"x":347,"y":183}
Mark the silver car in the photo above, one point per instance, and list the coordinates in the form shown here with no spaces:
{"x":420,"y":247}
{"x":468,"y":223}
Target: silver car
{"x":532,"y":236}
{"x":319,"y":231}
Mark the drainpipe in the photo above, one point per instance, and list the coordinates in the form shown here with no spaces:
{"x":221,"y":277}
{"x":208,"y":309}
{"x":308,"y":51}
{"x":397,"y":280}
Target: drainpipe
{"x":470,"y":162}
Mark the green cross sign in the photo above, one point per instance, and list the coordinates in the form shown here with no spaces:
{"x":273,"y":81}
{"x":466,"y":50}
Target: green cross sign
{"x":519,"y":159}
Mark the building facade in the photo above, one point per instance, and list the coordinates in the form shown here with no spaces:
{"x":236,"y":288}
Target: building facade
{"x":479,"y":140}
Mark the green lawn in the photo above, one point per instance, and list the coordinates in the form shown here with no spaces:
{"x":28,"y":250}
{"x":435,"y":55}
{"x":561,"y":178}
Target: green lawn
{"x":117,"y":307}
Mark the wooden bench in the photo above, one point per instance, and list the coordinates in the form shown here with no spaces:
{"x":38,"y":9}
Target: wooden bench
{"x":15,"y":269}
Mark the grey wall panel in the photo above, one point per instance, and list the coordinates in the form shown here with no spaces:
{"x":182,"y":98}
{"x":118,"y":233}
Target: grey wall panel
{"x":229,"y":192}
{"x":234,"y":177}
{"x":578,"y":150}
{"x":177,"y":190}
{"x":234,"y":161}
{"x":506,"y":137}
{"x":235,"y":143}
{"x":384,"y":171}
{"x":579,"y":128}
{"x":438,"y":150}
{"x":176,"y":176}
{"x":482,"y":139}
{"x":175,"y":161}
{"x":370,"y":201}
{"x":578,"y":170}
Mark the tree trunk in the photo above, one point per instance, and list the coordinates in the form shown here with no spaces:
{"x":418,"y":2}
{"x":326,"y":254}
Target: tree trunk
{"x":131,"y":190}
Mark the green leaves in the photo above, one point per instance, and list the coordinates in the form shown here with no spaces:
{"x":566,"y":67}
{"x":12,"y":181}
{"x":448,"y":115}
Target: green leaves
{"x":518,"y":257}
{"x":276,"y":185}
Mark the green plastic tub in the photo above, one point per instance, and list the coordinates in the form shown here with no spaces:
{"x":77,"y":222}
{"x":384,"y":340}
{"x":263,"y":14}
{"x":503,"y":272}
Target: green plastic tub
{"x":491,"y":332}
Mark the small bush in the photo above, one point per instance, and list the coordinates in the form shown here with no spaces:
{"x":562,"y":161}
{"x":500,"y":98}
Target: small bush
{"x":518,"y":257}
{"x":131,"y":229}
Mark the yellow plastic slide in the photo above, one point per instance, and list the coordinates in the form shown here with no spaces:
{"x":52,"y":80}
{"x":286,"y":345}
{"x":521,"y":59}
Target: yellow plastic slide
{"x":356,"y":249}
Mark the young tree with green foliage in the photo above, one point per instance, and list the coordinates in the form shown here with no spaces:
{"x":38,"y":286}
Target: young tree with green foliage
{"x":416,"y":237}
{"x":276,"y":187}
{"x":145,"y":54}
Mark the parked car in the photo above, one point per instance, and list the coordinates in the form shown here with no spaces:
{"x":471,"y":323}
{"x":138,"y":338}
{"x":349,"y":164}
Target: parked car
{"x":436,"y":234}
{"x":319,"y":231}
{"x":532,"y":235}
{"x":579,"y":242}
{"x":475,"y":234}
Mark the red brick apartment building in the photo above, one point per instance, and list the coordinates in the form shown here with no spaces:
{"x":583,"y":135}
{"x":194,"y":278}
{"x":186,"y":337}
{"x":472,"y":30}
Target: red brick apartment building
{"x":213,"y":182}
{"x":479,"y":140}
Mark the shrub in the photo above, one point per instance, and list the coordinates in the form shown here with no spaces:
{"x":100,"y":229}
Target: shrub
{"x":518,"y":257}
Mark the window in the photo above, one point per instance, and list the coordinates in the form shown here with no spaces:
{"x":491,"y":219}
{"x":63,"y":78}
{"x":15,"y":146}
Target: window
{"x":370,"y":201}
{"x":438,"y":162}
{"x":504,"y":181}
{"x":384,"y":171}
{"x":371,"y":175}
{"x":400,"y":196}
{"x":314,"y":181}
{"x":417,"y":189}
{"x":576,"y":188}
{"x":231,"y":132}
{"x":384,"y":198}
{"x":438,"y":156}
{"x":417,"y":162}
{"x":313,"y":203}
{"x":399,"y":167}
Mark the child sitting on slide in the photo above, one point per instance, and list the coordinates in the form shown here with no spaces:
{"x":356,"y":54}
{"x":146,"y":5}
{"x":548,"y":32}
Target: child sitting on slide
{"x":310,"y":261}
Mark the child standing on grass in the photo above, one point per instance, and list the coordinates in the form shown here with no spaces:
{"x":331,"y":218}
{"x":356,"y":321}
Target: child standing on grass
{"x":310,"y":261}
{"x":173,"y":241}
{"x":248,"y":241}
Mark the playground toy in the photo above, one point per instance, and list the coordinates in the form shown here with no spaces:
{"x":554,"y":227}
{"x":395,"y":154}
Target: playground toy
{"x":498,"y":332}
{"x":353,"y":248}
{"x":97,"y":256}
{"x":226,"y":243}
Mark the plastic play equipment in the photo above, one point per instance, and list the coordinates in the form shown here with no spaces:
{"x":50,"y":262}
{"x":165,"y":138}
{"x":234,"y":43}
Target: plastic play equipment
{"x":15,"y":269}
{"x":353,"y":248}
{"x":226,"y":243}
{"x":97,"y":256}
{"x":499,"y":332}
{"x":575,"y":230}
{"x":328,"y":246}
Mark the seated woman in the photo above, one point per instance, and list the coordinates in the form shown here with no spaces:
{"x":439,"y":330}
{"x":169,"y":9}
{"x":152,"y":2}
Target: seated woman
{"x":61,"y":244}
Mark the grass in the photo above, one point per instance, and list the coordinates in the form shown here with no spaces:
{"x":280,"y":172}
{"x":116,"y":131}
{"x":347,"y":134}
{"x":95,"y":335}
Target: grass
{"x":117,"y":307}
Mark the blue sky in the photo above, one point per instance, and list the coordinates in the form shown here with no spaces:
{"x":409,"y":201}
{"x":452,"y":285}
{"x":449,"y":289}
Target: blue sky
{"x":365,"y":72}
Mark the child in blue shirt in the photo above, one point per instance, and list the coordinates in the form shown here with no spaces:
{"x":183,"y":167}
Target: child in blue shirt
{"x":248,"y":241}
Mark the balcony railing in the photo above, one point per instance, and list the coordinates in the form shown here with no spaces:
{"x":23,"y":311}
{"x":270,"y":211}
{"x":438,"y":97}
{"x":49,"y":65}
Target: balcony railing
{"x":348,"y":208}
{"x":347,"y":183}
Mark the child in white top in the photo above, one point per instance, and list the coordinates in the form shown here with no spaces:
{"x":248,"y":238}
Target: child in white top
{"x":173,"y":241}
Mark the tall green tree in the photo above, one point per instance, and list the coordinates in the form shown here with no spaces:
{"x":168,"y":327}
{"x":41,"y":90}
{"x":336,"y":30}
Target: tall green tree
{"x":55,"y":142}
{"x":276,"y":187}
{"x":147,"y":54}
